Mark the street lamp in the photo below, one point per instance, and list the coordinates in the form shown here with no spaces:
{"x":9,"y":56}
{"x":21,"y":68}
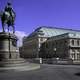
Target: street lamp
{"x":55,"y":51}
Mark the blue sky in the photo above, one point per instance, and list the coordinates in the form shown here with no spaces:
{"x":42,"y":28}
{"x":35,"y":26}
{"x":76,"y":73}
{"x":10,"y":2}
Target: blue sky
{"x":31,"y":14}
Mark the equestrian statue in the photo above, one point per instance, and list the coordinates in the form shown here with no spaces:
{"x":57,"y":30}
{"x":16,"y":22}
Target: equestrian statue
{"x":8,"y":17}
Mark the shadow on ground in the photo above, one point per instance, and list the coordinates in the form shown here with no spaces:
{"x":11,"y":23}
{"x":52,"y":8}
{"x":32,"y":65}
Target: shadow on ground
{"x":77,"y":74}
{"x":3,"y":70}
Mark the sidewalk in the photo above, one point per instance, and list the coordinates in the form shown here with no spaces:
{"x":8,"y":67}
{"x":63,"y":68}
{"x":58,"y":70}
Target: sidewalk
{"x":26,"y":67}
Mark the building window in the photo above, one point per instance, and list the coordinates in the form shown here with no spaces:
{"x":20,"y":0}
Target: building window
{"x":73,"y":56}
{"x":65,"y":41}
{"x":73,"y":50}
{"x":78,"y":50}
{"x":78,"y":42}
{"x":41,"y":39}
{"x":52,"y":43}
{"x":46,"y":45}
{"x":72,"y":42}
{"x":78,"y":56}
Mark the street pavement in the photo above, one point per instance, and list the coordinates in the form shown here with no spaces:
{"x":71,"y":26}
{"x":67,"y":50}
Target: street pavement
{"x":46,"y":72}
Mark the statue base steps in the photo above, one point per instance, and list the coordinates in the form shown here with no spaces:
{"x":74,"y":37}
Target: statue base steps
{"x":9,"y":52}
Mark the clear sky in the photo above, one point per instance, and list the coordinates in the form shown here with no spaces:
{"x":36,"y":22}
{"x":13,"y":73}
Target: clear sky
{"x":31,"y":14}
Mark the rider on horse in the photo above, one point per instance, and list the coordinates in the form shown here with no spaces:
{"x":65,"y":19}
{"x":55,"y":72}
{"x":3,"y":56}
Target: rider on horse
{"x":8,"y":17}
{"x":9,"y":9}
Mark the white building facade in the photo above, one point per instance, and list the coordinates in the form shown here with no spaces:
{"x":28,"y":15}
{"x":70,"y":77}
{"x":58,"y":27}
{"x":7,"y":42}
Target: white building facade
{"x":32,"y":44}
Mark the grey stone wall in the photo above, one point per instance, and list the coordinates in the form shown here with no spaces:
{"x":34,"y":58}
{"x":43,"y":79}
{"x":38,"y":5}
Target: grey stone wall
{"x":8,"y":46}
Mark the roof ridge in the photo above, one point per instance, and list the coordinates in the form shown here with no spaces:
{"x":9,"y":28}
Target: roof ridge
{"x":56,"y":28}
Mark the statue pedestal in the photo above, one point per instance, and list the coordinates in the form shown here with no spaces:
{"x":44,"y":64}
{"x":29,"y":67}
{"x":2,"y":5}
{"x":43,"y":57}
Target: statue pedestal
{"x":9,"y":52}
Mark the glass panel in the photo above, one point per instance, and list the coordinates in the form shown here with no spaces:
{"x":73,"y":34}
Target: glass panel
{"x":48,"y":32}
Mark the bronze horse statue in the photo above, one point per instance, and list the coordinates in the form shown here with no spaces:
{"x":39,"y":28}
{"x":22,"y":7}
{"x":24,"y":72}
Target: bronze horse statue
{"x":8,"y":19}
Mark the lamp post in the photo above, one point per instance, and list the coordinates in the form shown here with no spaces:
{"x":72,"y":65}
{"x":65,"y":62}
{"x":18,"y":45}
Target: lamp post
{"x":55,"y":51}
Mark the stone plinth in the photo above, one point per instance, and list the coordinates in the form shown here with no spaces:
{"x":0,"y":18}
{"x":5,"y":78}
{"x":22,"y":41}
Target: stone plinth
{"x":9,"y":52}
